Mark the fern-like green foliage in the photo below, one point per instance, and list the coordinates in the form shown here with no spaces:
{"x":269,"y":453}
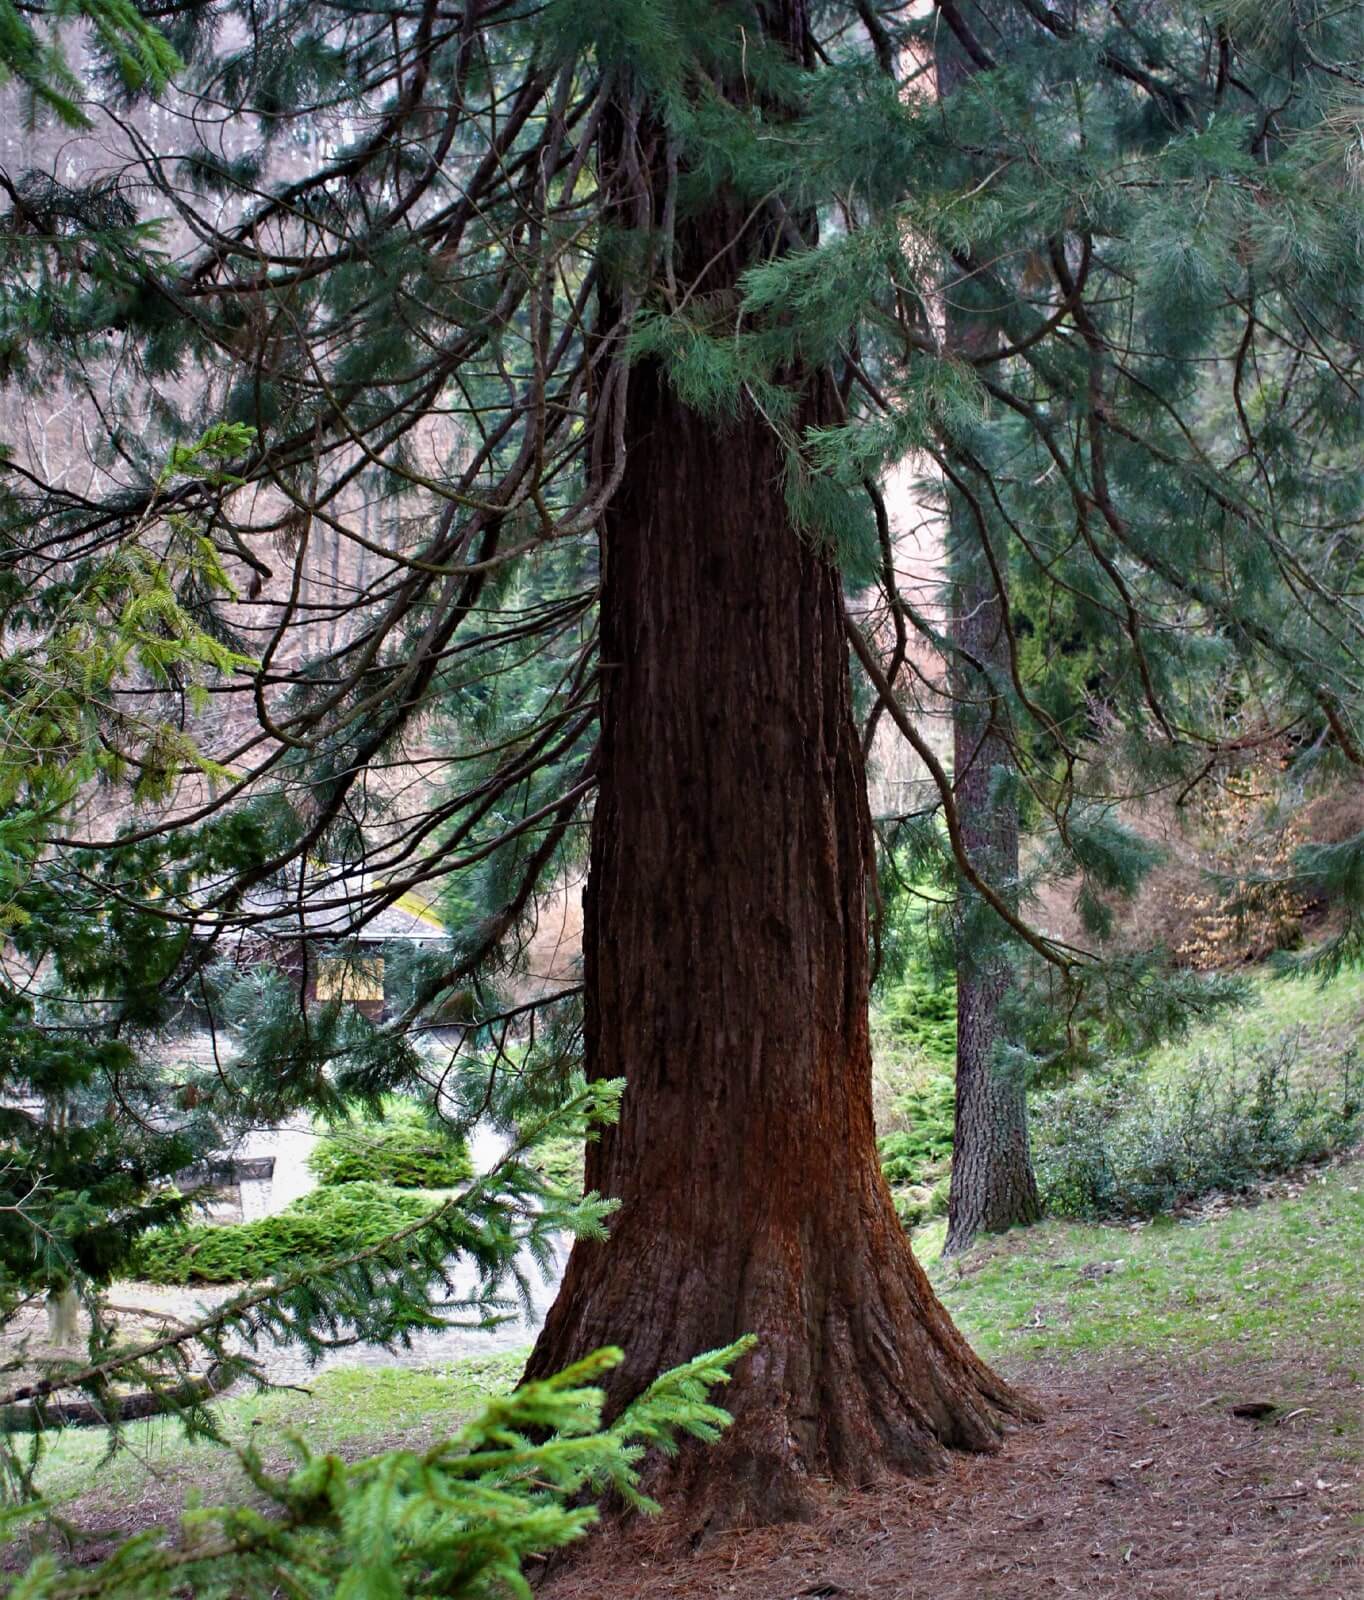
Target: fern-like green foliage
{"x":458,"y":1520}
{"x":912,"y":1153}
{"x":920,"y":1011}
{"x":137,"y":49}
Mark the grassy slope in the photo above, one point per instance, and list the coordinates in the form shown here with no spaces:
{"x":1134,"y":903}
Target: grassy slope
{"x":1252,"y":1276}
{"x":1248,"y":1276}
{"x":350,"y":1410}
{"x":1326,"y":1016}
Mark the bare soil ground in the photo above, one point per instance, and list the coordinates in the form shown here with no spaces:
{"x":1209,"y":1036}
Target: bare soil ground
{"x":1142,"y":1483}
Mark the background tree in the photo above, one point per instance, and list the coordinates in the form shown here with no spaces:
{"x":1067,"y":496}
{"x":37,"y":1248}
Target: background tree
{"x":992,"y":1182}
{"x":1090,"y":449}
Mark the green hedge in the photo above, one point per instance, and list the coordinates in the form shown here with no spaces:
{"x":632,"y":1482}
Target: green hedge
{"x":328,"y":1222}
{"x":402,"y":1150}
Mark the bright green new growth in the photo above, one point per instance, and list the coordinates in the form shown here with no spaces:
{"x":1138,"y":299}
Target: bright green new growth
{"x":339,"y":1218}
{"x":458,"y":1520}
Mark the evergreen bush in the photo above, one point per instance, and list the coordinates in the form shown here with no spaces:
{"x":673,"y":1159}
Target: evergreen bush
{"x":336,"y":1219}
{"x":402,"y":1149}
{"x":560,"y":1163}
{"x":1125,"y":1147}
{"x":457,"y":1519}
{"x":920,"y":1011}
{"x":909,"y":1154}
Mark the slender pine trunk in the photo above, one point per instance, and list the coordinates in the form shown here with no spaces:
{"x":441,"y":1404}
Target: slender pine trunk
{"x":992,"y":1187}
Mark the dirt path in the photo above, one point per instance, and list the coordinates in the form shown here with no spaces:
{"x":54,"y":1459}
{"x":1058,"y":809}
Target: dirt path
{"x":1142,"y":1484}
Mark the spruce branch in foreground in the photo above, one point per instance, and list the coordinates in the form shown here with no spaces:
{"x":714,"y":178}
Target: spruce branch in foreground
{"x":457,"y":1520}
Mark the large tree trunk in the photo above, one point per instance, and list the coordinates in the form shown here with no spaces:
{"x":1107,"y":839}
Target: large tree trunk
{"x":992,"y":1186}
{"x":726,"y":968}
{"x":726,"y":971}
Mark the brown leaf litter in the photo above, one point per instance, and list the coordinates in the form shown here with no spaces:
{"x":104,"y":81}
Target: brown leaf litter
{"x":1142,"y":1483}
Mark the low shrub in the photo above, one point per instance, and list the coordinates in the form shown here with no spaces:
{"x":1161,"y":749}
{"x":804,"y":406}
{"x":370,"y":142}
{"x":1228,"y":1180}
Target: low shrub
{"x":916,"y":1154}
{"x":920,"y":1012}
{"x":403,"y":1151}
{"x":1122,"y":1146}
{"x":327,"y":1222}
{"x":917,"y":1203}
{"x":560,"y":1162}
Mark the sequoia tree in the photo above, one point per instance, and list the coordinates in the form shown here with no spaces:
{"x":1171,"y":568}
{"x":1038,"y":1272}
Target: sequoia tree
{"x":479,"y":413}
{"x":726,"y":952}
{"x":725,"y":947}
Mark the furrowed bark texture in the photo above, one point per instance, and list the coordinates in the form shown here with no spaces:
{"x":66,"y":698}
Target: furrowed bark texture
{"x":992,"y":1187}
{"x":726,"y":971}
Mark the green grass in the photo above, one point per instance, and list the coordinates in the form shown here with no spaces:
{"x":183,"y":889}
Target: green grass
{"x":1329,"y":1016}
{"x":349,"y":1410}
{"x":1247,"y":1281}
{"x":1252,"y":1277}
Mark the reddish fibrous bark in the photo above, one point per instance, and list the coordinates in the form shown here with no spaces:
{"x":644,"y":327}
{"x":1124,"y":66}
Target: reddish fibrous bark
{"x":726,"y":971}
{"x":726,"y":968}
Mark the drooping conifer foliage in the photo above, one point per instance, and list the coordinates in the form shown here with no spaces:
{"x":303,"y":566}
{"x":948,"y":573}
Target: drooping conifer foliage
{"x":493,"y":318}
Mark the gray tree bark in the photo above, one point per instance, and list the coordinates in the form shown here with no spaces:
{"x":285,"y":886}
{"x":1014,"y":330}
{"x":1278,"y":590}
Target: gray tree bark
{"x":992,"y":1186}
